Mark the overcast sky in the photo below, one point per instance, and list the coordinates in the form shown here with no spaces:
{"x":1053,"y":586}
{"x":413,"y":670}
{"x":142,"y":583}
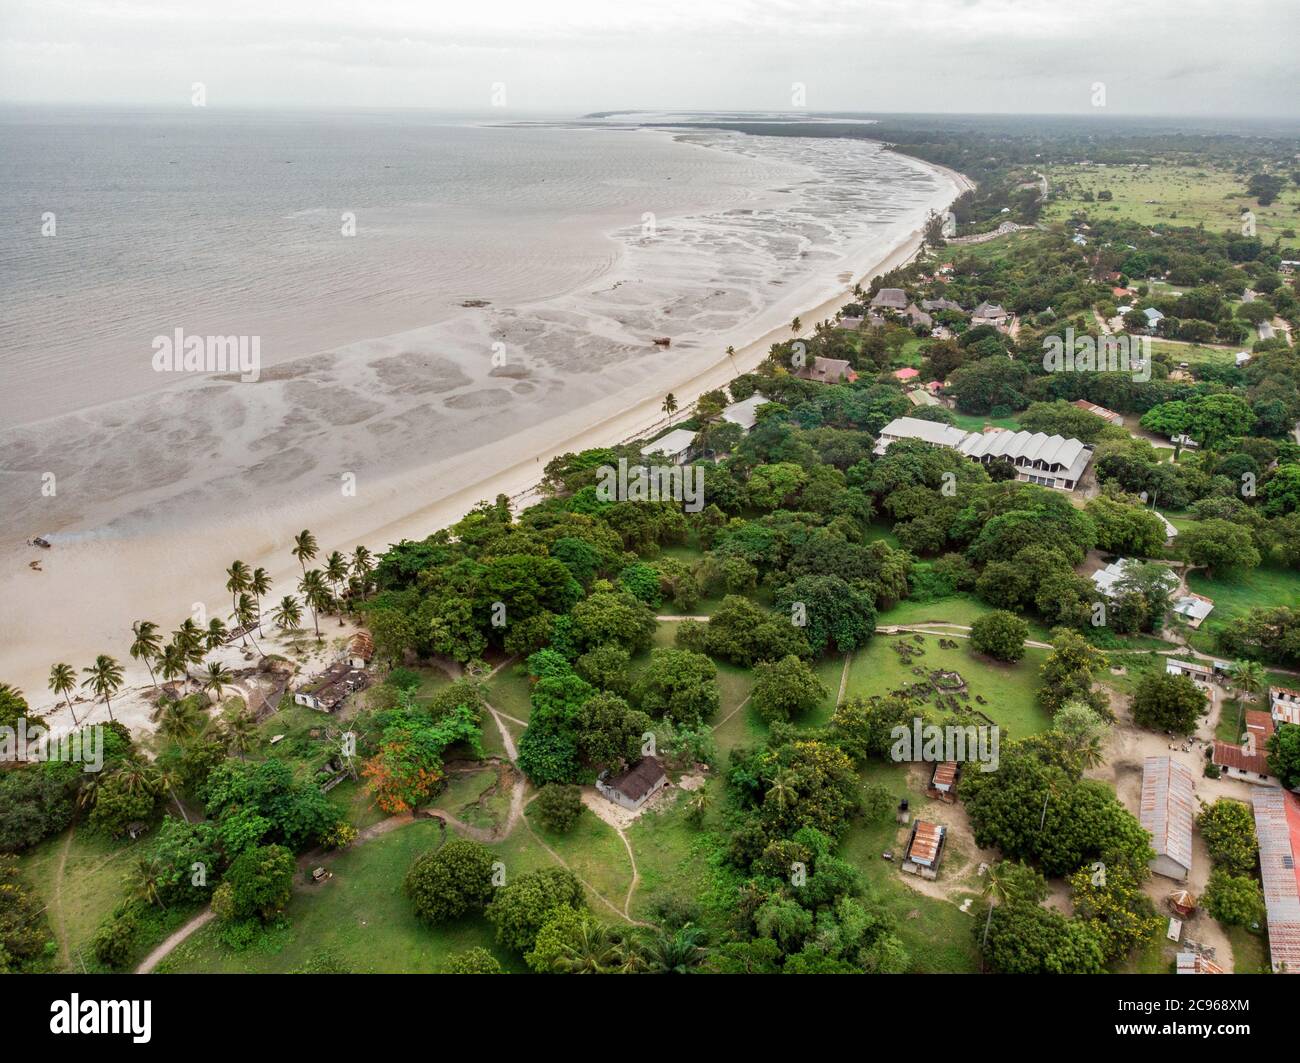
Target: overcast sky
{"x":565,"y":56}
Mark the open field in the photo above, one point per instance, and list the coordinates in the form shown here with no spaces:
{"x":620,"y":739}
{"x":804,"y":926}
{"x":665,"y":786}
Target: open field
{"x":360,"y":918}
{"x":939,"y":936}
{"x":1236,"y":593}
{"x":1163,"y":193}
{"x":1007,"y":688}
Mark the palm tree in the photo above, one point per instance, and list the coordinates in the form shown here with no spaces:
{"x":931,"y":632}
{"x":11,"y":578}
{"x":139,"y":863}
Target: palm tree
{"x":995,"y":889}
{"x":1247,"y":676}
{"x":169,"y":779}
{"x":336,"y":571}
{"x":316,"y":595}
{"x":796,"y":325}
{"x":238,"y":579}
{"x":780,"y":792}
{"x":139,"y":777}
{"x":362,"y":564}
{"x":104,"y":680}
{"x":216,"y":634}
{"x":147,"y":880}
{"x":179,"y":720}
{"x":670,"y":406}
{"x":288,"y":615}
{"x":63,"y":680}
{"x":593,"y":950}
{"x":190,"y":638}
{"x":239,"y":733}
{"x":172,"y":664}
{"x":676,"y":952}
{"x":260,"y":584}
{"x":146,"y":644}
{"x":304,"y":548}
{"x":246,"y":616}
{"x":216,"y":678}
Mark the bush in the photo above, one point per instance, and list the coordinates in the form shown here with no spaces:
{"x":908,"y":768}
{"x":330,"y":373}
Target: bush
{"x":522,"y":908}
{"x":450,"y":882}
{"x":559,"y":806}
{"x":258,"y":883}
{"x":473,"y":961}
{"x":114,"y":941}
{"x":786,"y":689}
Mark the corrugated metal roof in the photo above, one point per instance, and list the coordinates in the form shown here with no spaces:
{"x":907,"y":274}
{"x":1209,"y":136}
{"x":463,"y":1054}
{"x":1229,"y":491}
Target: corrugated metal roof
{"x":1168,"y":809}
{"x":1277,"y":825}
{"x":925,"y":843}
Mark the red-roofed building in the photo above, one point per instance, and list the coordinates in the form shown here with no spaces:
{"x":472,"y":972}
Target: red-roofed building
{"x":1248,"y":761}
{"x":907,"y":374}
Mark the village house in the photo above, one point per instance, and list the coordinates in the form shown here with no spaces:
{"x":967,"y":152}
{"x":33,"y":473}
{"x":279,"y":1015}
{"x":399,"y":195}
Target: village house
{"x":851,"y":323}
{"x":925,"y":849}
{"x":906,"y":374}
{"x":1285,"y":704}
{"x":889,"y":299}
{"x":1248,"y":761}
{"x":1050,"y":461}
{"x":1105,"y":579}
{"x":327,"y":691}
{"x":745,"y":412}
{"x":943,"y":782}
{"x":1194,"y":670}
{"x":1194,"y":608}
{"x":935,"y":305}
{"x":1109,"y":416}
{"x":922,"y":397}
{"x":1167,"y":812}
{"x":676,"y":446}
{"x":989,"y":314}
{"x":1277,"y":826}
{"x":1153,"y":316}
{"x":827,"y":371}
{"x":634,"y":787}
{"x":917,"y":316}
{"x":361,"y":648}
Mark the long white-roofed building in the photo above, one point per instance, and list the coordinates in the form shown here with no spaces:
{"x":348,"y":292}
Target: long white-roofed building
{"x":1052,"y":461}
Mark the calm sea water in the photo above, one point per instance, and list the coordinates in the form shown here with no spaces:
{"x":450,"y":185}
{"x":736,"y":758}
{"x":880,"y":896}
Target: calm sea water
{"x":232,"y":224}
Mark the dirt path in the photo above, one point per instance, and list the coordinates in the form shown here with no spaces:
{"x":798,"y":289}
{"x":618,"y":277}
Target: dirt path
{"x":56,"y":908}
{"x":844,"y":678}
{"x":162,"y":951}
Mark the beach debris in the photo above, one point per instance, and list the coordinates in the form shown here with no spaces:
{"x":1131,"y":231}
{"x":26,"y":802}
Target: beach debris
{"x":662,"y":341}
{"x":474,"y":304}
{"x":40,"y":541}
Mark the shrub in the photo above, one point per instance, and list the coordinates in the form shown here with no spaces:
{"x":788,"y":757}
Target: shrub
{"x":559,"y":806}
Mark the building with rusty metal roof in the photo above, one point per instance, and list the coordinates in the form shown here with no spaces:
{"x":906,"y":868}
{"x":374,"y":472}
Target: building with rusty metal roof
{"x":1277,"y":825}
{"x":1168,"y":811}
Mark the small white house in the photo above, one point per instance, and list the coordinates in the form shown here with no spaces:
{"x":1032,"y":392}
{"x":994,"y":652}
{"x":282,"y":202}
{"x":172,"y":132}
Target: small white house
{"x":633,"y":788}
{"x":675,"y":446}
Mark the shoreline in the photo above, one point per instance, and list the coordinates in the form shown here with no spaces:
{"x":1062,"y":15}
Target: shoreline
{"x":124,"y":574}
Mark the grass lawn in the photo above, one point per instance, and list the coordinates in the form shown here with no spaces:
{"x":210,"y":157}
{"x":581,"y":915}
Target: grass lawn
{"x":596,"y":854}
{"x":960,"y":609}
{"x":673,"y":857}
{"x":354,"y":800}
{"x":361,"y":918}
{"x":92,"y":884}
{"x":1007,"y":688}
{"x":1171,"y":194}
{"x":971,"y":422}
{"x":1249,"y":951}
{"x":939,"y":936}
{"x":1236,"y":593}
{"x":508,"y":691}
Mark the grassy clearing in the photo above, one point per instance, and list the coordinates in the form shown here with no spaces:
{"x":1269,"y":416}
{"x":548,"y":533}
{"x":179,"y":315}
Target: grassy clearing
{"x":959,"y":609}
{"x":360,"y":917}
{"x":508,"y":691}
{"x":940,"y":937}
{"x":1170,"y":194}
{"x":1236,"y":593}
{"x":1007,"y":688}
{"x":672,"y":856}
{"x":594,"y":852}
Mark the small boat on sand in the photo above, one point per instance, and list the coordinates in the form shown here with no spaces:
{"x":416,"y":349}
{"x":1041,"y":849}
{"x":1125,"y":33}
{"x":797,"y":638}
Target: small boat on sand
{"x":39,"y":541}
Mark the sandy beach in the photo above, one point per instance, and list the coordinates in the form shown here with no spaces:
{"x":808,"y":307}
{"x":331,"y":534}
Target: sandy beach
{"x":157,"y":565}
